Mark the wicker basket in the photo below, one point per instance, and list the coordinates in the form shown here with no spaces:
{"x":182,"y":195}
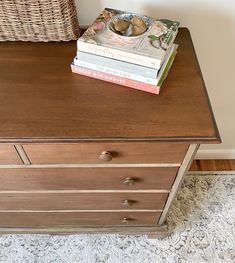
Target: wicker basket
{"x":38,"y":20}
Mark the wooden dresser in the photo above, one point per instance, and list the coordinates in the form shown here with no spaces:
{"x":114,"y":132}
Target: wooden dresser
{"x":83,"y":155}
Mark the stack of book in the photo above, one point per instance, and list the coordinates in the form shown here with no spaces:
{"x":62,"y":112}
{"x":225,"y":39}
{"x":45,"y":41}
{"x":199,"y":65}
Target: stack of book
{"x":127,"y":49}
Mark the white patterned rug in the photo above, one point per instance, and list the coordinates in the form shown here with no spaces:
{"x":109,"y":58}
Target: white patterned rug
{"x":201,"y":221}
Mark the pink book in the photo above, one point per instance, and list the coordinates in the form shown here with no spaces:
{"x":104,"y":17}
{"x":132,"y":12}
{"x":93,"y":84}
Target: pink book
{"x":115,"y":79}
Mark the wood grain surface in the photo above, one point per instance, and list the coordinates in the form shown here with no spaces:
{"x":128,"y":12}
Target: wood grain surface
{"x":36,"y":219}
{"x":138,"y":152}
{"x":9,"y":155}
{"x":213,"y":165}
{"x":86,"y":178}
{"x":83,"y":201}
{"x":42,"y":100}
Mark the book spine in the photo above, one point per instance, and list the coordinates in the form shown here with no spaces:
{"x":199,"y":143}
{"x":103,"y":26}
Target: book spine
{"x":172,"y":32}
{"x":118,"y":64}
{"x":115,"y":79}
{"x":167,"y":68}
{"x":115,"y":72}
{"x":119,"y":54}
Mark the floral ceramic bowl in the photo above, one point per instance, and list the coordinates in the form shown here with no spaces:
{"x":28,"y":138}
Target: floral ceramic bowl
{"x":130,"y":25}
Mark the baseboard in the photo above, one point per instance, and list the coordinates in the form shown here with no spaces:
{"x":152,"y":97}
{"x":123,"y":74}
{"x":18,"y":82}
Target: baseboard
{"x":215,"y":154}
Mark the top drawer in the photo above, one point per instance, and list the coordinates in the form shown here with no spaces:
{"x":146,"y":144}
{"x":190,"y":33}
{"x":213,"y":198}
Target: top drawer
{"x":9,"y":155}
{"x":98,"y":153}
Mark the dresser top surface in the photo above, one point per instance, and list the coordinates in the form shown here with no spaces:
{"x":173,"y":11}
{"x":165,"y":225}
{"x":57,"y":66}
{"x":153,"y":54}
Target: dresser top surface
{"x":42,"y":100}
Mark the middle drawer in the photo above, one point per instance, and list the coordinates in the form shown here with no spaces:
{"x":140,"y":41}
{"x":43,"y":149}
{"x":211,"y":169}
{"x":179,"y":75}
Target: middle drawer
{"x":109,"y":178}
{"x":81,"y":201}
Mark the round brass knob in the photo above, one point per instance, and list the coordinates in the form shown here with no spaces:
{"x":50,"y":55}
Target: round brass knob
{"x":106,"y":156}
{"x":129,"y":181}
{"x":125,"y":220}
{"x":126,"y":203}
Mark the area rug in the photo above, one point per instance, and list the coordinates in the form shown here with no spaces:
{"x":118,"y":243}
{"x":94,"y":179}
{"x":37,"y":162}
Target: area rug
{"x":201,"y":223}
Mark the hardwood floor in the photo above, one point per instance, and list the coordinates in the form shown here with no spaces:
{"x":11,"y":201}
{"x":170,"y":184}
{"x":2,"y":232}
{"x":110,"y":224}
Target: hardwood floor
{"x":213,"y":165}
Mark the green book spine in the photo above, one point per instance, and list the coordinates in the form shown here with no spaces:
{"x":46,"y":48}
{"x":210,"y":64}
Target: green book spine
{"x":167,"y":68}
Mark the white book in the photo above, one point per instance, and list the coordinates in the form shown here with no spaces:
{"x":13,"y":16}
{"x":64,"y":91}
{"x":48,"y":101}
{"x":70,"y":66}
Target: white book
{"x":148,"y":49}
{"x":118,"y":64}
{"x":113,"y":71}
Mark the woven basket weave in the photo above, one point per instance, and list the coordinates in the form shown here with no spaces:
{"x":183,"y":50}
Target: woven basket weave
{"x":38,"y":20}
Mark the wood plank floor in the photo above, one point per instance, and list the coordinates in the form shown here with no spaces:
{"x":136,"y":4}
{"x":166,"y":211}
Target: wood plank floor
{"x":213,"y":165}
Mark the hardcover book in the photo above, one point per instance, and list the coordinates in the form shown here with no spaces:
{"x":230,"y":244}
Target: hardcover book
{"x":121,"y":80}
{"x":122,"y":69}
{"x":144,"y":42}
{"x":115,"y":79}
{"x":84,"y":57}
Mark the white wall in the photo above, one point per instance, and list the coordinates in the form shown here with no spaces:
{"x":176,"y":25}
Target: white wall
{"x":212,"y":26}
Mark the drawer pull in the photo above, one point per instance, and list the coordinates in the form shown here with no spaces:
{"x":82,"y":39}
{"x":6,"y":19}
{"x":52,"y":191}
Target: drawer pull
{"x":129,"y":181}
{"x":126,"y":220}
{"x":127,"y":203}
{"x":106,"y":156}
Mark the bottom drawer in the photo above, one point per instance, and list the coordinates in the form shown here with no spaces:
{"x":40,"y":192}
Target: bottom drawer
{"x":81,"y":201}
{"x":50,"y":219}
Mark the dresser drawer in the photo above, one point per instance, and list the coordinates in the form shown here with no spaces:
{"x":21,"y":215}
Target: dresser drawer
{"x":9,"y":155}
{"x":132,"y":152}
{"x":50,"y":219}
{"x":87,"y":178}
{"x":81,"y":201}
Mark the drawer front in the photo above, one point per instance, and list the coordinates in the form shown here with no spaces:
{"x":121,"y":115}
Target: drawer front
{"x":40,"y":219}
{"x":81,"y":201}
{"x":9,"y":155}
{"x":132,"y":152}
{"x":87,"y":178}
